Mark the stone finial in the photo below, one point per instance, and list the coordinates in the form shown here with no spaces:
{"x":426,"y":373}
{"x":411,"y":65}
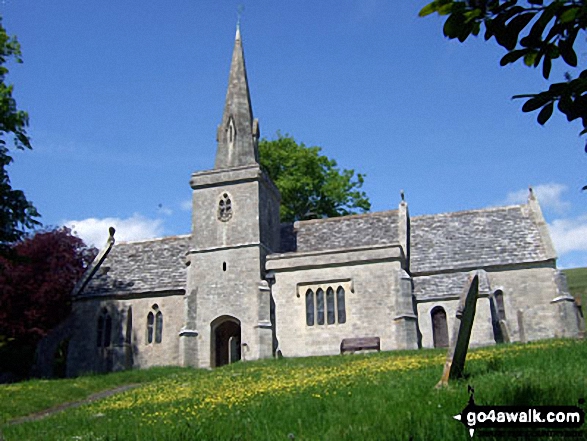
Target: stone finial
{"x":531,"y":195}
{"x":95,"y":265}
{"x":401,"y":193}
{"x":111,"y":232}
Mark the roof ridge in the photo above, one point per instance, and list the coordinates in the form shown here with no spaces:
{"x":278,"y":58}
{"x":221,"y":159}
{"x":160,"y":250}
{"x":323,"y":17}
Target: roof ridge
{"x":339,"y":218}
{"x":474,"y":210}
{"x":154,"y":239}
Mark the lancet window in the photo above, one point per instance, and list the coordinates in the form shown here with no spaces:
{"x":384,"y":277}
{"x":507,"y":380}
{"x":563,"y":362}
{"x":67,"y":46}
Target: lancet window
{"x":324,"y":305}
{"x":155,"y":325}
{"x":104,"y":334}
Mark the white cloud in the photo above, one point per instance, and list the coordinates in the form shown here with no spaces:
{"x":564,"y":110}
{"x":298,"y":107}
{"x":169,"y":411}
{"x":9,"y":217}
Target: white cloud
{"x":95,"y":231}
{"x":186,"y":205}
{"x":569,"y":234}
{"x":549,"y":196}
{"x":165,"y":211}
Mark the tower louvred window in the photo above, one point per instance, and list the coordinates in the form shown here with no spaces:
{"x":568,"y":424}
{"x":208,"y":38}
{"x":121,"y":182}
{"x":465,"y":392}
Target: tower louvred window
{"x":225,"y":208}
{"x":230,"y":131}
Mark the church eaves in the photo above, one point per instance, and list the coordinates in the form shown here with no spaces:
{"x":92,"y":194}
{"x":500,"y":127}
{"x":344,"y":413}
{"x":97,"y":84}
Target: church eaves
{"x":238,"y":134}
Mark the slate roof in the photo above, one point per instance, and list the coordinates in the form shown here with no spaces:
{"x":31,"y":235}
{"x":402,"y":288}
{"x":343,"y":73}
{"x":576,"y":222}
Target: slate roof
{"x":448,"y":242}
{"x":145,"y":266}
{"x":475,"y":238}
{"x":349,"y":231}
{"x":444,"y":285}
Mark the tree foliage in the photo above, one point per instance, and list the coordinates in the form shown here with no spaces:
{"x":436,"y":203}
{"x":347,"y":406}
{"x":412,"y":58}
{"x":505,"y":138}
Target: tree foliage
{"x":36,"y":283}
{"x":534,"y":32}
{"x":311,"y":185}
{"x":16,"y":213}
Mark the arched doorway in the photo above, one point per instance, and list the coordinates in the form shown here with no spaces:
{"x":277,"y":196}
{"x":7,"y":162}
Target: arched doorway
{"x":439,"y":327}
{"x":225,"y":341}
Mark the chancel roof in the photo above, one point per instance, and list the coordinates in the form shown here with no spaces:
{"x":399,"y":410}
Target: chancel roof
{"x":475,"y":239}
{"x":138,"y":267}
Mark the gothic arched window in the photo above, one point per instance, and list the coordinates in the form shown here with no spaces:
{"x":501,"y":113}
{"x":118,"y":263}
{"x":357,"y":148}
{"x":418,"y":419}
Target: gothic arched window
{"x":150,"y":323}
{"x":104,"y":334}
{"x":320,"y":306}
{"x":310,"y":307}
{"x":325,"y":305}
{"x":158,"y":327}
{"x":341,"y":307}
{"x":155,"y":325}
{"x":128,"y":335}
{"x":330,"y":318}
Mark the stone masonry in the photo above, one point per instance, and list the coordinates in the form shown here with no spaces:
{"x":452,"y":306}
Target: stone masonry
{"x":242,"y":286}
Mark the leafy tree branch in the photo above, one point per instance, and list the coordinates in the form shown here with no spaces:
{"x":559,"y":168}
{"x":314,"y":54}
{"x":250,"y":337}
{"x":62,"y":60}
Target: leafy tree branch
{"x":534,"y":32}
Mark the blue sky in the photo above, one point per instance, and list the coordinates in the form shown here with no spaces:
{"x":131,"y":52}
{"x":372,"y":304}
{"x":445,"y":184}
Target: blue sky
{"x":124,"y":99}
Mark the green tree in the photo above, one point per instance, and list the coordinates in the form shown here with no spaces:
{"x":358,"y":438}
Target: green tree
{"x":311,"y":185}
{"x":16,"y":213}
{"x":534,"y":32}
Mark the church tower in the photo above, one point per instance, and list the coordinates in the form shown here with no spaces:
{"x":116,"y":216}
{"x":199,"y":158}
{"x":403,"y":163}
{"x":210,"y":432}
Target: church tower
{"x":235,"y":225}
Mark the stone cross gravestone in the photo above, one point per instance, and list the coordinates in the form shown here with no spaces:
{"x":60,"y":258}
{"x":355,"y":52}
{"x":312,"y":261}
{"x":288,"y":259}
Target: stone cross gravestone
{"x":459,"y":344}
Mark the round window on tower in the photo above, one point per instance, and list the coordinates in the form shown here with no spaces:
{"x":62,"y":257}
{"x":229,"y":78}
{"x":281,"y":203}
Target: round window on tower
{"x":224,"y":207}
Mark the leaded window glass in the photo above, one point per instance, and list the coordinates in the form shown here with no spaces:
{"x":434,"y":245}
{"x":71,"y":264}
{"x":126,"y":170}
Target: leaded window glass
{"x":340,"y":304}
{"x":330,"y":319}
{"x":320,"y":306}
{"x":310,"y":307}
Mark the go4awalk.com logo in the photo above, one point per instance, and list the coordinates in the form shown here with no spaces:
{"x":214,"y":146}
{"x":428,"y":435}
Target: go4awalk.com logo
{"x":522,"y":420}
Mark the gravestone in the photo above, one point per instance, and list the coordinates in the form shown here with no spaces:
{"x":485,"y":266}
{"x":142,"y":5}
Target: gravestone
{"x":459,"y":345}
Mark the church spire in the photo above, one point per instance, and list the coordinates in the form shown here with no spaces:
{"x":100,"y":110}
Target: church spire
{"x":238,"y":134}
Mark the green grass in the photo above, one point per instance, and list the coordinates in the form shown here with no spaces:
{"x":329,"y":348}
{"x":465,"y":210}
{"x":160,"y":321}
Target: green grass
{"x":577,"y":281}
{"x":28,"y":397}
{"x":377,"y":396}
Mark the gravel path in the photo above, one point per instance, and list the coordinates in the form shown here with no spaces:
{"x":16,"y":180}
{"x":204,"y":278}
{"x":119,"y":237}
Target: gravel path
{"x":61,"y":407}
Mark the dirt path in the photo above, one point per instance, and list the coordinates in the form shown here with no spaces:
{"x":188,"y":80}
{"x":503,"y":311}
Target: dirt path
{"x":70,"y":405}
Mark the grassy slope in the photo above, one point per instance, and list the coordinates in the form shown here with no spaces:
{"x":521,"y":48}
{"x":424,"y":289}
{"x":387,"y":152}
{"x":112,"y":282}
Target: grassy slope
{"x":27,"y":397}
{"x":577,"y":281}
{"x":378,"y":396}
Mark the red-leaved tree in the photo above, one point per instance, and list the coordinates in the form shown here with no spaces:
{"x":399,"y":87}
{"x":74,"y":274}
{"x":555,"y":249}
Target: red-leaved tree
{"x":36,"y":283}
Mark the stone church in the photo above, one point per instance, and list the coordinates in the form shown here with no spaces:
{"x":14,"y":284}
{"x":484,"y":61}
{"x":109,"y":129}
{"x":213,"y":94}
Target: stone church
{"x":242,"y":286}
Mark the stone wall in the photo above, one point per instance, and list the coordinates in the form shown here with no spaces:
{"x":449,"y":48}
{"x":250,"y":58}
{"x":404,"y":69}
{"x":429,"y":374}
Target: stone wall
{"x":86,"y":356}
{"x":481,"y":334}
{"x":528,"y":294}
{"x":370,"y":304}
{"x":233,"y":292}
